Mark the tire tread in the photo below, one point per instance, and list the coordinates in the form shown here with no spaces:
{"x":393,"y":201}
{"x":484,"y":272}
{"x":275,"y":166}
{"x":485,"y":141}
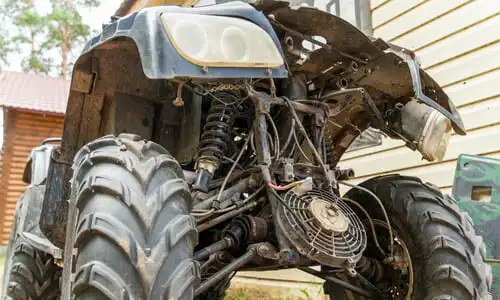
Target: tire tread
{"x":149,"y":224}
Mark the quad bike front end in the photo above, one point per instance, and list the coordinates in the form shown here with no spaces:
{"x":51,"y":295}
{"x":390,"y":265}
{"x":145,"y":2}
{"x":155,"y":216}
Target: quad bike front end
{"x":199,"y":142}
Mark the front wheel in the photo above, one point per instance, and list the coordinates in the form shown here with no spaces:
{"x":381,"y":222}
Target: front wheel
{"x":133,"y":235}
{"x":446,"y":257}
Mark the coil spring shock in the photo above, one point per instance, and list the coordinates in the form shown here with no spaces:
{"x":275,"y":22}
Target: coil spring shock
{"x":215,"y":138}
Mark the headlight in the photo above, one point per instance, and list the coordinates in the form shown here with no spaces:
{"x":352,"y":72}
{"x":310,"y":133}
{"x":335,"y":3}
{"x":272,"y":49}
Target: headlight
{"x":428,"y":128}
{"x":221,"y":41}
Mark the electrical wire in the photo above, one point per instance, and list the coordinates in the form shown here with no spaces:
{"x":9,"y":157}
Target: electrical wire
{"x":285,"y":187}
{"x":288,"y":139}
{"x":290,"y":210}
{"x":372,"y":226}
{"x":303,"y":131}
{"x":228,"y":159}
{"x":243,"y":148}
{"x":276,"y":134}
{"x":271,"y":140}
{"x":300,"y":148}
{"x":206,"y":213}
{"x":254,"y":194}
{"x":389,"y":228}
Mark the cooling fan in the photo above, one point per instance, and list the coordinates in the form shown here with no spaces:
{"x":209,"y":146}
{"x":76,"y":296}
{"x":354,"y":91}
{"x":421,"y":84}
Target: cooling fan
{"x":323,"y":228}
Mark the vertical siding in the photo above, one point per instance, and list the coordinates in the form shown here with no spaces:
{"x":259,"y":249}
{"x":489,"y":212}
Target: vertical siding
{"x":22,"y":132}
{"x":458,"y":43}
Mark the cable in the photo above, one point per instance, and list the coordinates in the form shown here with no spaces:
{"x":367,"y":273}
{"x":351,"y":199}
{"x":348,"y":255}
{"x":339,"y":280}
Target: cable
{"x":270,"y":138}
{"x":254,"y":194}
{"x":284,"y":187}
{"x":224,"y":210}
{"x":207,"y":213}
{"x":299,"y":147}
{"x":228,"y":159}
{"x":389,"y":228}
{"x":243,"y":148}
{"x":290,"y":210}
{"x":202,"y":214}
{"x":372,"y":226}
{"x":276,"y":135}
{"x":288,"y":139}
{"x":303,"y":131}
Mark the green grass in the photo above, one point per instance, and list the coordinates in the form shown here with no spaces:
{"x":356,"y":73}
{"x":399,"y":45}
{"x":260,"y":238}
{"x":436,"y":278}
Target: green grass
{"x":251,"y":292}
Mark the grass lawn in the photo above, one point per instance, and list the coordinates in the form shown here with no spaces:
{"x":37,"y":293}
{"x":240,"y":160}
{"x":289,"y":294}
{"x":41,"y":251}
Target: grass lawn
{"x":244,"y":292}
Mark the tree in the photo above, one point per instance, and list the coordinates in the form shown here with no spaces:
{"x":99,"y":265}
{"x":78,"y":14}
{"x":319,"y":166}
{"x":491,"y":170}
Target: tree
{"x":61,"y":29}
{"x":5,"y":48}
{"x":66,"y":28}
{"x":30,"y":29}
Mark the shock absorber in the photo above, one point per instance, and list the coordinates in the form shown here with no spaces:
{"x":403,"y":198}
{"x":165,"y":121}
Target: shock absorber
{"x":215,"y":138}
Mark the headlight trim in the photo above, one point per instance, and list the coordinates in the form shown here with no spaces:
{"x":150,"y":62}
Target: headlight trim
{"x":268,"y":50}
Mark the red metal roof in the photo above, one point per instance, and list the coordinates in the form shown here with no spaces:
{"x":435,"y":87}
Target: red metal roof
{"x":33,"y":92}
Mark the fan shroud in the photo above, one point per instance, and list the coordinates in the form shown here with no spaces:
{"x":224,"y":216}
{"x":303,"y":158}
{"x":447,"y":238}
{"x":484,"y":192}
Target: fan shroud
{"x":328,"y":230}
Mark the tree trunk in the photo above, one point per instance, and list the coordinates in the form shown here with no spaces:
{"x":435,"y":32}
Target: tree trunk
{"x":33,"y":50}
{"x":65,"y":43}
{"x":64,"y":53}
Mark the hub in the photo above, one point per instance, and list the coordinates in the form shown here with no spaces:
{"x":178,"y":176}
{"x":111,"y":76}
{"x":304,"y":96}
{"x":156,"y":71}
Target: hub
{"x":328,"y":216}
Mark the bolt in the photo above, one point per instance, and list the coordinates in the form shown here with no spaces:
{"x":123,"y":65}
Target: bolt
{"x":268,"y":72}
{"x":123,"y":147}
{"x":204,"y":69}
{"x":331,"y":212}
{"x":178,"y":102}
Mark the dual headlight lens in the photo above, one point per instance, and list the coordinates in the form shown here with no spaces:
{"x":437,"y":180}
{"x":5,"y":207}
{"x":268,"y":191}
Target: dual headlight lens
{"x":221,"y":41}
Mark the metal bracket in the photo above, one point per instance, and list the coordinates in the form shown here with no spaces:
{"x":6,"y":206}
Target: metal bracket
{"x":84,"y":82}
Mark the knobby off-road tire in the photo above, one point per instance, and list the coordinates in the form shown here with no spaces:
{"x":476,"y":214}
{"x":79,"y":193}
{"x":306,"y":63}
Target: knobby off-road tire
{"x":33,"y":275}
{"x":134,"y":237}
{"x":30,"y":274}
{"x":448,"y":258}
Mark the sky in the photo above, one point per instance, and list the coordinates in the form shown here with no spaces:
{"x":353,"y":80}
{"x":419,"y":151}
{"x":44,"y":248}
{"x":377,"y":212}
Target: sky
{"x":94,"y":17}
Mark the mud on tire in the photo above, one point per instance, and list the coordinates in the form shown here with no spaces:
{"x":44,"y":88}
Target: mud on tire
{"x":33,"y":275}
{"x":447,"y":255}
{"x":134,"y":235}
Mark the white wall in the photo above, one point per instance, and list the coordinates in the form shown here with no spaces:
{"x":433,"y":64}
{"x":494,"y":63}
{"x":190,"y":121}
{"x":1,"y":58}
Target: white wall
{"x":458,"y":43}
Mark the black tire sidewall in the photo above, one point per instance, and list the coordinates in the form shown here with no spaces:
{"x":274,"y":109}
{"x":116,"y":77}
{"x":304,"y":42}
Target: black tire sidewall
{"x":410,"y":205}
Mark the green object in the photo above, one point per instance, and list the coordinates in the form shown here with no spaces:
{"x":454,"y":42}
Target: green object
{"x":477,"y":190}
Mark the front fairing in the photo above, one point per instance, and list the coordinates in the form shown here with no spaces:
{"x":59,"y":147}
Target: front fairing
{"x":158,"y":56}
{"x":384,"y":67}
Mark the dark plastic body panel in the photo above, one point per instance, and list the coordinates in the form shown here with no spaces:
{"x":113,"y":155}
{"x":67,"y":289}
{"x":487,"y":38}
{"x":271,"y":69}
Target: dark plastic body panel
{"x":158,"y":56}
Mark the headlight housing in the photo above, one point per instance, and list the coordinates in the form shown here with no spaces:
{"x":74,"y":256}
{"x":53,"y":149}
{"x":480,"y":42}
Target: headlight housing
{"x":221,"y":41}
{"x":428,"y":128}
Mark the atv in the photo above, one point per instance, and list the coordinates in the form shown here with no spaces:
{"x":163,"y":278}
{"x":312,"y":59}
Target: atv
{"x":199,"y":142}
